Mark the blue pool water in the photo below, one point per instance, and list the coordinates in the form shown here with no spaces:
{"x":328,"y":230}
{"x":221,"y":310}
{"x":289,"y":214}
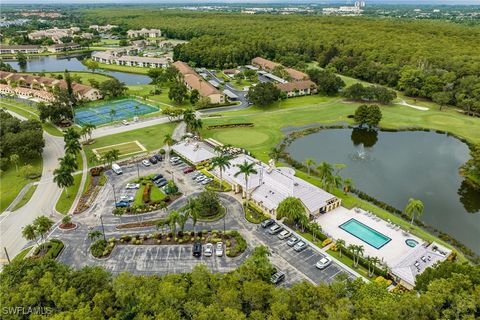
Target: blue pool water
{"x":365,"y":233}
{"x":101,"y":114}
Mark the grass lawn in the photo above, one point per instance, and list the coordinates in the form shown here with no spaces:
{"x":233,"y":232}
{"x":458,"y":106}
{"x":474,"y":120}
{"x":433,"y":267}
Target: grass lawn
{"x":65,"y":203}
{"x":26,"y":198}
{"x":22,"y":254}
{"x":349,"y":263}
{"x":150,"y":137}
{"x":29,"y":113}
{"x":115,"y":67}
{"x":13,"y":182}
{"x":125,"y":148}
{"x":156,"y":194}
{"x":84,"y":76}
{"x":162,"y":98}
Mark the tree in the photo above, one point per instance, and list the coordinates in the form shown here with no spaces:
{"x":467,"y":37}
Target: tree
{"x":314,"y":229}
{"x":112,"y":114}
{"x":66,"y":220}
{"x":68,"y":162}
{"x":182,"y":220}
{"x":112,"y":88}
{"x":442,"y":98}
{"x":87,"y":129}
{"x":172,"y":221}
{"x":209,"y":204}
{"x":361,"y":115}
{"x":194,"y":97}
{"x":94,"y":235}
{"x":177,"y":92}
{"x":325,"y":172}
{"x":263,"y":94}
{"x":192,"y":209}
{"x":92,"y":65}
{"x":340,"y":245}
{"x":221,"y":162}
{"x":374,"y":116}
{"x":309,"y":163}
{"x":414,"y":208}
{"x":29,"y":232}
{"x":347,"y":185}
{"x":327,"y":82}
{"x":246,"y":169}
{"x":63,"y":178}
{"x":111,"y":156}
{"x":276,"y":153}
{"x":42,"y":225}
{"x":22,"y":61}
{"x":360,"y":250}
{"x":14,"y":158}
{"x":291,"y":209}
{"x":168,"y":141}
{"x":203,"y":103}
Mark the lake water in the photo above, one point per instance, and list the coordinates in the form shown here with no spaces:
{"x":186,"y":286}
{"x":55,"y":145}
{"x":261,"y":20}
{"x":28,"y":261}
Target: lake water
{"x":396,"y":166}
{"x":73,"y":63}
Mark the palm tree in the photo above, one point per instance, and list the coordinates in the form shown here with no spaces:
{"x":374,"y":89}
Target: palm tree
{"x":87,"y":129}
{"x":67,"y":219}
{"x":161,"y":224}
{"x":68,"y":162}
{"x":42,"y":225}
{"x":375,"y":261}
{"x":291,"y":209}
{"x":360,"y":251}
{"x":182,"y":220}
{"x":325,"y":171}
{"x":192,"y":209}
{"x":63,"y":178}
{"x":314,"y":229}
{"x":30,"y":233}
{"x":196,"y":126}
{"x":94,"y":235}
{"x":414,"y":207}
{"x":112,"y":114}
{"x":340,"y":245}
{"x":222,"y":162}
{"x":335,"y":181}
{"x":347,"y":185}
{"x":369,"y":262}
{"x":73,"y":146}
{"x":353,"y":250}
{"x":189,"y":118}
{"x":172,"y":221}
{"x":112,"y":155}
{"x":275,"y":153}
{"x":14,"y":158}
{"x":168,"y":141}
{"x":309,"y":163}
{"x":70,"y":134}
{"x":246,"y":169}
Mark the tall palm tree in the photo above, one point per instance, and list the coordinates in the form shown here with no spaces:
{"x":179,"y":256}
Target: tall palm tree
{"x":414,"y":208}
{"x":172,"y":221}
{"x":73,"y":146}
{"x":30,"y":233}
{"x":88,"y":128}
{"x":246,"y":169}
{"x":196,"y":125}
{"x":314,"y":229}
{"x":325,"y":171}
{"x":182,"y":220}
{"x":168,"y":141}
{"x":360,"y":251}
{"x":189,"y":117}
{"x":353,"y":250}
{"x":221,"y":162}
{"x":42,"y":225}
{"x":340,"y":244}
{"x":309,"y":163}
{"x":68,"y":162}
{"x":375,"y":261}
{"x":70,"y":134}
{"x":347,"y":185}
{"x":112,"y":155}
{"x":275,"y":153}
{"x":369,"y":262}
{"x":63,"y":178}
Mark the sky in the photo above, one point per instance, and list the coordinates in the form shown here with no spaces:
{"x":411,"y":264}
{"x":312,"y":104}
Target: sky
{"x":413,"y":2}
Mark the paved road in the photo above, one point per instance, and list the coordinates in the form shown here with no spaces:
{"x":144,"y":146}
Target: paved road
{"x":42,"y":202}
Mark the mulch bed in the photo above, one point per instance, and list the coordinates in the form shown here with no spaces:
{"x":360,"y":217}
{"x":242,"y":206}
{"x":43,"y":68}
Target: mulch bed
{"x":67,"y":226}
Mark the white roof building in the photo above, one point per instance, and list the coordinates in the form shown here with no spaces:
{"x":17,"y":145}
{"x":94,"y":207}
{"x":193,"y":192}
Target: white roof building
{"x":193,"y":151}
{"x":271,"y":185}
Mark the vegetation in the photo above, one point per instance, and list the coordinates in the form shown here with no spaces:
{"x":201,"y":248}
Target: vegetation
{"x":327,"y":82}
{"x":245,"y":293}
{"x":359,"y":92}
{"x":368,"y":115}
{"x":263,"y":94}
{"x":26,"y":197}
{"x":293,"y":211}
{"x":39,"y":228}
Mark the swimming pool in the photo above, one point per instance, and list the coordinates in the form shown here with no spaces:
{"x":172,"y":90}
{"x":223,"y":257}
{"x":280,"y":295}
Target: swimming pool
{"x":365,"y":233}
{"x":102,"y":114}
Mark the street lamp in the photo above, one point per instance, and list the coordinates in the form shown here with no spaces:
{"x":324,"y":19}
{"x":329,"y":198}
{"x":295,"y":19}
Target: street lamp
{"x":114,"y":195}
{"x":103,"y":228}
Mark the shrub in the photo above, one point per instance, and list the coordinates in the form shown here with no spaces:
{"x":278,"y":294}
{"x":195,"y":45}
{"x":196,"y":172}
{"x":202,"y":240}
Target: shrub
{"x":98,"y":248}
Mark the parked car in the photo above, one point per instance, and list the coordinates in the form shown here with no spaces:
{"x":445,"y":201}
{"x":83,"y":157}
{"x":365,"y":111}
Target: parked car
{"x":323,"y":263}
{"x":208,"y":250}
{"x":197,"y":249}
{"x":300,"y":246}
{"x":127,"y":198}
{"x":277,"y":277}
{"x":188,"y":170}
{"x":122,"y":204}
{"x":275,"y":229}
{"x":267,"y":223}
{"x":196,"y":174}
{"x":176,"y":163}
{"x":292,"y":241}
{"x":174,"y":159}
{"x":146,"y":163}
{"x":161,"y":183}
{"x":284,"y":234}
{"x":131,"y":186}
{"x":153,"y":160}
{"x":158,"y":157}
{"x":125,"y":122}
{"x":200,"y":178}
{"x":219,"y":249}
{"x":207,"y":181}
{"x":157,"y":177}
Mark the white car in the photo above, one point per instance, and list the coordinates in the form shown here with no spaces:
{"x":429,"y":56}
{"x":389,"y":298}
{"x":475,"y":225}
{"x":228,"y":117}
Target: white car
{"x":208,"y":250}
{"x":300,"y":246}
{"x":200,"y":178}
{"x":174,"y":159}
{"x":284,"y":234}
{"x":131,"y":186}
{"x":125,"y":122}
{"x":219,"y":249}
{"x":207,"y":181}
{"x":126,"y":198}
{"x":146,"y":163}
{"x":323,"y":263}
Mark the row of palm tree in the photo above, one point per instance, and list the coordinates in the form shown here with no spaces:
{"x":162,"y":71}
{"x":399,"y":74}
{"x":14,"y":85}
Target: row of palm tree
{"x":87,"y":130}
{"x":329,"y":175}
{"x":180,"y":218}
{"x":357,"y":251}
{"x":39,"y":228}
{"x":63,"y":176}
{"x":194,"y":124}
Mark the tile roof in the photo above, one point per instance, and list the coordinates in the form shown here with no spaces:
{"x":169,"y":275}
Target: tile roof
{"x":296,"y":85}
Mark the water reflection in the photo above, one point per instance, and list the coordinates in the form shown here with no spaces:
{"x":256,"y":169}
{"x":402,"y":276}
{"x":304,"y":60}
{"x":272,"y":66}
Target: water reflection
{"x":365,"y":137}
{"x":469,"y":197}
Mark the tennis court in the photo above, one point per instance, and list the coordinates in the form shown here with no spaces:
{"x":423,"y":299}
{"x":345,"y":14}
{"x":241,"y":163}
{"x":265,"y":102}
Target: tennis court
{"x":112,"y":111}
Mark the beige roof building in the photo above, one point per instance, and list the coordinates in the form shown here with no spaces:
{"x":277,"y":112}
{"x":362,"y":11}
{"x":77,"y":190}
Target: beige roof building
{"x":265,"y":64}
{"x":298,"y":88}
{"x":151,"y":33}
{"x":194,"y":81}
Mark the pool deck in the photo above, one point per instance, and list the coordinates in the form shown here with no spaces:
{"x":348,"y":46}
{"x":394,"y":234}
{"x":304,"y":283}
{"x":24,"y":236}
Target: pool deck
{"x":392,"y":253}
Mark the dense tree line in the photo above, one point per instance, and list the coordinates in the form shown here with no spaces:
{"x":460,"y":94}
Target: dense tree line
{"x":59,"y":292}
{"x":424,"y":58}
{"x":19,"y":140}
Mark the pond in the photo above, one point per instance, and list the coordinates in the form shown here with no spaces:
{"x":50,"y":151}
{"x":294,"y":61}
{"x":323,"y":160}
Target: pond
{"x":395,"y":166}
{"x":73,"y":63}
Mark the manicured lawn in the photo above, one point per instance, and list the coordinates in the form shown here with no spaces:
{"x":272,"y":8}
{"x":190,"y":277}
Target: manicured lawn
{"x":162,"y":98}
{"x":125,"y":148}
{"x":13,"y":182}
{"x":84,"y":76}
{"x":22,"y":254}
{"x":150,"y":137}
{"x":156,"y":194}
{"x":349,"y":263}
{"x":29,"y":113}
{"x":26,"y":198}
{"x":65,"y":203}
{"x":115,"y":67}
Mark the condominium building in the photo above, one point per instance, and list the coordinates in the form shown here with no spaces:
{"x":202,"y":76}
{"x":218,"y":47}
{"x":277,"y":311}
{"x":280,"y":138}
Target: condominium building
{"x":14,"y":49}
{"x":147,"y":33}
{"x":55,"y":34}
{"x":298,"y":88}
{"x":62,"y":47}
{"x":270,"y":66}
{"x":126,"y":60}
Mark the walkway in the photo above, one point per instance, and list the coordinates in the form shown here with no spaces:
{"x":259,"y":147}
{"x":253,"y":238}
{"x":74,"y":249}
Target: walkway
{"x":405,"y":103}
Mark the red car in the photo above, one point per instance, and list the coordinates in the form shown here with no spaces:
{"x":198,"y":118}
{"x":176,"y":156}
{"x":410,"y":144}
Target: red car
{"x":188,"y":170}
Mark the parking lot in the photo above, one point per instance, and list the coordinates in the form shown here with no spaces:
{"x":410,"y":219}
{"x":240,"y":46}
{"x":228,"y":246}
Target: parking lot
{"x":303,"y":261}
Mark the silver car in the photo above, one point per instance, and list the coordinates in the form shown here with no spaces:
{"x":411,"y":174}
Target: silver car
{"x":219,"y":249}
{"x":284,"y":234}
{"x":323,"y":263}
{"x":300,"y":246}
{"x":292,"y":241}
{"x":208,"y":250}
{"x":275,"y":229}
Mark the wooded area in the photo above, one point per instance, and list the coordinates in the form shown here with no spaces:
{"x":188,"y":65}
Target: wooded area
{"x":438,"y":60}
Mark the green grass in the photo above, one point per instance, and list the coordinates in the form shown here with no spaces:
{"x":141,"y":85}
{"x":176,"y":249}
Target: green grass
{"x":26,"y":197}
{"x":150,"y":137}
{"x":162,"y":98}
{"x":12,"y":182}
{"x":156,"y":194}
{"x":349,"y":201}
{"x":128,"y":69}
{"x":29,"y":113}
{"x":349,"y":263}
{"x":22,"y":254}
{"x":84,"y":76}
{"x":138,"y":200}
{"x":126,"y":148}
{"x":65,"y":203}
